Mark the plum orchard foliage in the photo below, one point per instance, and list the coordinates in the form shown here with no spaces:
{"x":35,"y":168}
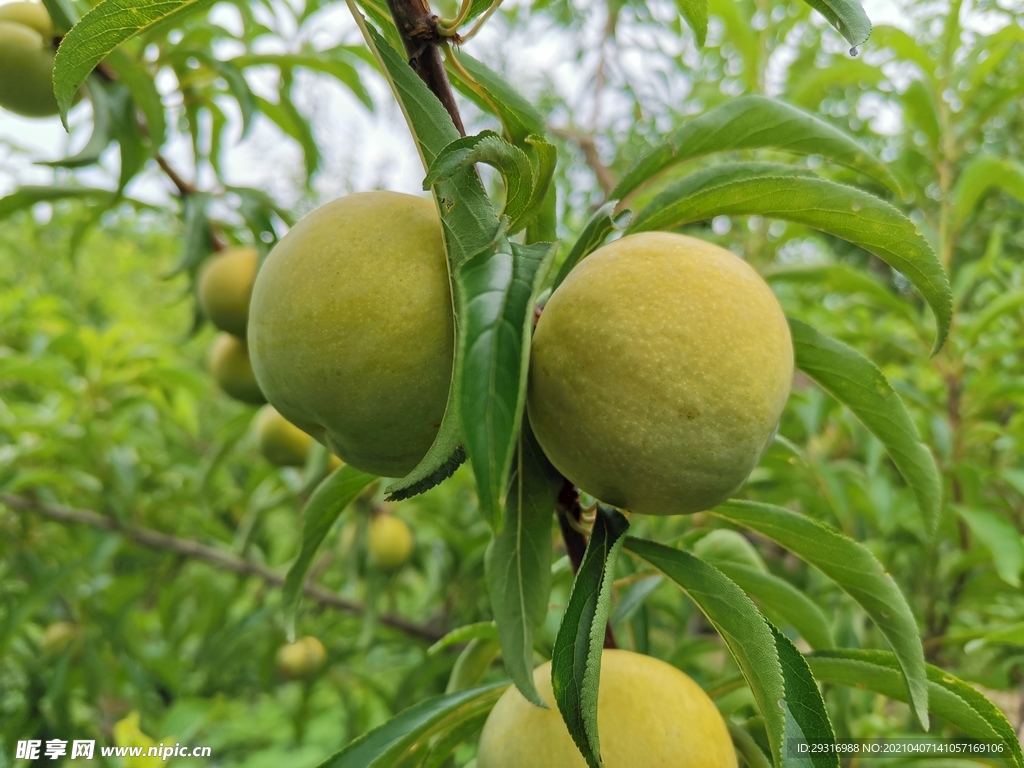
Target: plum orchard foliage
{"x":896,"y":480}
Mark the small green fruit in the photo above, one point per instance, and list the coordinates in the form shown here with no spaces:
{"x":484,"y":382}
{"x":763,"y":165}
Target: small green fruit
{"x":280,"y":441}
{"x":31,"y":15}
{"x":390,"y":542}
{"x":301,"y":659}
{"x":26,"y":71}
{"x":649,"y":715}
{"x":225,"y":287}
{"x":351,"y":329}
{"x":659,"y":370}
{"x":232,"y":371}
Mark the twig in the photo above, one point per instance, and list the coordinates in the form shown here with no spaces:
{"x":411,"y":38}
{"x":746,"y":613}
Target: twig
{"x":197,"y":551}
{"x":568,"y":506}
{"x":184,"y":188}
{"x":605,"y":178}
{"x":418,"y":29}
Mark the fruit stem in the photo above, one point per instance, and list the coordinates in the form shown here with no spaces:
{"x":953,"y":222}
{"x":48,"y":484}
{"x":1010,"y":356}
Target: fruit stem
{"x":418,"y":29}
{"x":570,"y":511}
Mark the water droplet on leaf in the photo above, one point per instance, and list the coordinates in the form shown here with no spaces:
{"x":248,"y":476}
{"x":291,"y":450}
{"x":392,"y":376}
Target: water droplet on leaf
{"x":854,"y":51}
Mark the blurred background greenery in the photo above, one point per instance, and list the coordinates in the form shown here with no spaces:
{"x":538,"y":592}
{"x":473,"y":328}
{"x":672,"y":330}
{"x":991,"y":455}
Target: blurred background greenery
{"x":105,"y":406}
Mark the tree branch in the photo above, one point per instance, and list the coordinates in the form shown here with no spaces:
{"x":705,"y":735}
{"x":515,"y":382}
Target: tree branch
{"x":197,"y":551}
{"x":605,"y":177}
{"x":418,"y":29}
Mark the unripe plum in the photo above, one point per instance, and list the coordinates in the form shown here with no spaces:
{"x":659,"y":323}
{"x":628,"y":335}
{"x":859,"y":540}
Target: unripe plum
{"x":301,"y":659}
{"x":232,"y":371}
{"x":658,"y":374}
{"x":649,"y":715}
{"x":280,"y":441}
{"x":26,"y":70}
{"x":351,"y":329}
{"x":225,"y":287}
{"x":390,"y":542}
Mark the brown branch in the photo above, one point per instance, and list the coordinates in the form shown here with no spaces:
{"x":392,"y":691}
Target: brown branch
{"x":418,"y":29}
{"x":184,"y":188}
{"x":568,"y":505}
{"x":197,"y":551}
{"x":605,"y":177}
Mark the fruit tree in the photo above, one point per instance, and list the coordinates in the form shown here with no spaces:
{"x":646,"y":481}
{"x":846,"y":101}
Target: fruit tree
{"x":489,"y":385}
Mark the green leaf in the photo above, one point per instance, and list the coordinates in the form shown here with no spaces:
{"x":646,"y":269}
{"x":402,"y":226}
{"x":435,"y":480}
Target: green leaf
{"x":518,"y":561}
{"x":413,"y":728}
{"x":776,"y":680}
{"x":196,"y":244}
{"x":489,"y":148}
{"x":1000,"y":537}
{"x":63,"y":14}
{"x":843,"y":211}
{"x":329,"y":500}
{"x":840,"y":278}
{"x":26,"y":197}
{"x":286,"y":117}
{"x":602,"y":223}
{"x":101,"y":135}
{"x":857,"y":383}
{"x":847,"y":17}
{"x":982,"y":173}
{"x":952,"y":699}
{"x":856,"y":571}
{"x":783,"y":598}
{"x":1001,"y":306}
{"x":904,"y":46}
{"x":576,"y":658}
{"x":519,"y":118}
{"x":501,"y":289}
{"x":332,"y":62}
{"x":806,"y":717}
{"x":696,"y":14}
{"x":100,"y":31}
{"x":809,"y":86}
{"x":469,"y":225}
{"x":142,"y":86}
{"x":233,"y":77}
{"x":919,"y":108}
{"x":480,"y":630}
{"x":755,"y":122}
{"x":472,"y":664}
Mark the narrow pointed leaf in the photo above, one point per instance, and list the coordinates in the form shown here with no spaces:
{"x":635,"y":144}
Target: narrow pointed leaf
{"x":100,"y":31}
{"x":857,"y":383}
{"x":489,"y":148}
{"x":480,"y":630}
{"x":501,"y":289}
{"x":518,"y":561}
{"x":781,"y":597}
{"x":806,"y":717}
{"x":843,"y":211}
{"x":1000,"y":537}
{"x":602,"y":223}
{"x":492,"y":93}
{"x":329,"y":500}
{"x":952,"y":699}
{"x":756,"y":122}
{"x":576,"y":659}
{"x":856,"y":571}
{"x":696,"y":14}
{"x":26,"y":197}
{"x":101,"y":135}
{"x":847,"y":16}
{"x":982,"y":174}
{"x":142,"y":86}
{"x":775,"y":682}
{"x":412,"y":729}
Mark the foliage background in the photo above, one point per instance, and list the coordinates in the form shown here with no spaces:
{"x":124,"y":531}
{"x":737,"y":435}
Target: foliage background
{"x":104,"y":404}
